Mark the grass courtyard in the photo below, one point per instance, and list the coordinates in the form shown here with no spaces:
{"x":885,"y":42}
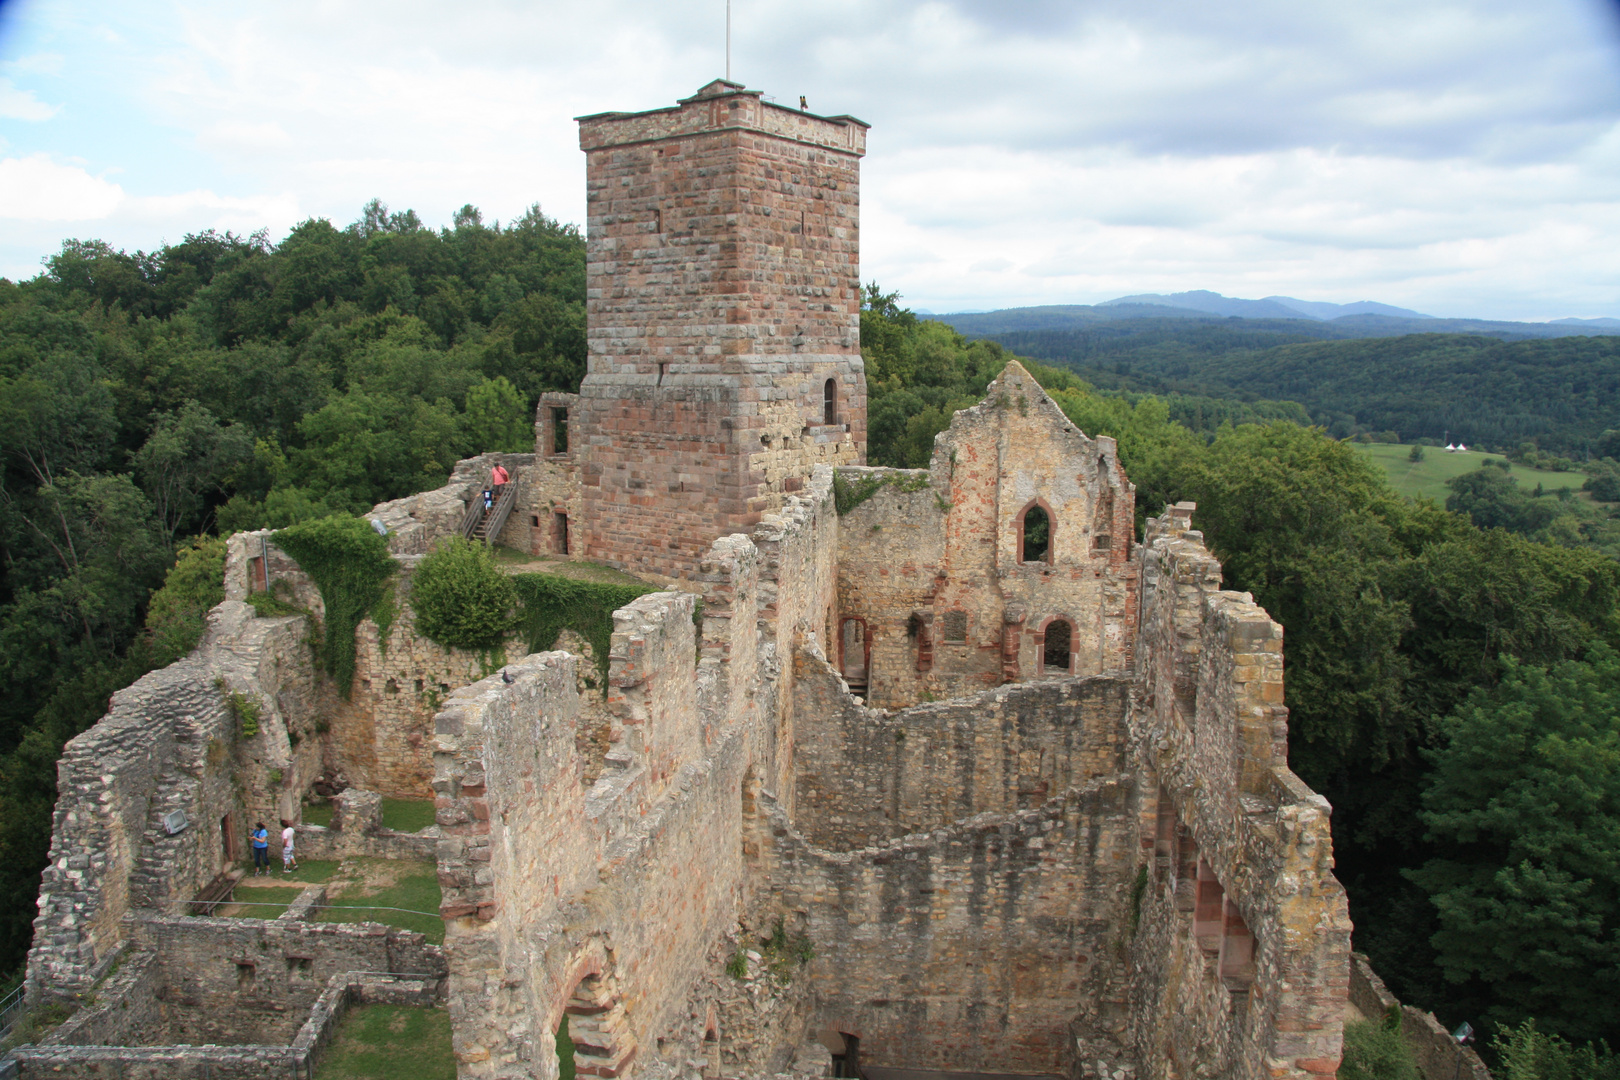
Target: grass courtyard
{"x":402,"y":893}
{"x":1427,"y":478}
{"x":390,"y":1042}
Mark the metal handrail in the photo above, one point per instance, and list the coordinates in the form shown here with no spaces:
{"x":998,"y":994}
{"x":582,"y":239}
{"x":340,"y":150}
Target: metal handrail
{"x":503,"y":510}
{"x":474,"y":514}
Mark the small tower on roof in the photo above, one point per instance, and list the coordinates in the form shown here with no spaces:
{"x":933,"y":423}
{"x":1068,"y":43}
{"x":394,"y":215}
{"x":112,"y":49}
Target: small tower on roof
{"x":723,"y":309}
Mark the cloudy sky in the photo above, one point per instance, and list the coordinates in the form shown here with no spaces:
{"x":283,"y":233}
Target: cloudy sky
{"x":1460,"y":158}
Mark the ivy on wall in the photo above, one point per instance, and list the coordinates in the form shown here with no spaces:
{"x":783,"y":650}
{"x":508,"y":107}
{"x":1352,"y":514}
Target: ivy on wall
{"x":848,"y":494}
{"x":350,"y":565}
{"x":549,"y":604}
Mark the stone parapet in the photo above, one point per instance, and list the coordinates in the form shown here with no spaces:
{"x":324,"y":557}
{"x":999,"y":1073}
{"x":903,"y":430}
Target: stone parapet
{"x":1244,"y":941}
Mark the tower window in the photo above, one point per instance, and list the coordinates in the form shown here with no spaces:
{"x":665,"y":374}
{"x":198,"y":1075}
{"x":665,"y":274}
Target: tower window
{"x":1035,"y":537}
{"x":559,"y":431}
{"x":829,"y":402}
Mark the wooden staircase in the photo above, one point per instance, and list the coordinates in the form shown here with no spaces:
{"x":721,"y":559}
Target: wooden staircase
{"x":485,"y":524}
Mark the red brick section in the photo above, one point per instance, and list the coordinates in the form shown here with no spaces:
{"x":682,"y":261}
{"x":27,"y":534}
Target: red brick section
{"x":723,"y":291}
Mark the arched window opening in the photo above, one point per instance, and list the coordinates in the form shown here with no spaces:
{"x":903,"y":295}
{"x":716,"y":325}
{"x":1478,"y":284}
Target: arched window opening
{"x":1055,"y":653}
{"x":829,"y":402}
{"x":1036,"y":540}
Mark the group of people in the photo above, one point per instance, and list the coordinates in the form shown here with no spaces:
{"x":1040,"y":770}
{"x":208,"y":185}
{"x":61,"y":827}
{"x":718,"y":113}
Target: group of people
{"x":261,"y":848}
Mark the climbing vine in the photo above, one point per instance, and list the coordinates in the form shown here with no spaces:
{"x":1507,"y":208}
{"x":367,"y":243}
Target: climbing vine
{"x":848,"y":494}
{"x":550,"y":604}
{"x":350,"y":565}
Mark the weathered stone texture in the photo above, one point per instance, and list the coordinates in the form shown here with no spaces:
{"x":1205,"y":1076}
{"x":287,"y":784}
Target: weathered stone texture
{"x":978,"y":946}
{"x":170,"y":743}
{"x":1242,"y":954}
{"x":864,"y":776}
{"x":938,"y":579}
{"x":723,"y":292}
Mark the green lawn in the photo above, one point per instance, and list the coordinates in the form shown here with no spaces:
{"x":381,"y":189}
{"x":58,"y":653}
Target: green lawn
{"x":390,"y":1042}
{"x":374,"y":884}
{"x":262,"y":901}
{"x":407,"y":815}
{"x":318,"y":814}
{"x":1427,"y":478}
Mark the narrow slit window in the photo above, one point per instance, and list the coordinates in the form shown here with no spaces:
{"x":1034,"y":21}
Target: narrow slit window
{"x":559,"y":528}
{"x":829,"y":402}
{"x":559,"y":431}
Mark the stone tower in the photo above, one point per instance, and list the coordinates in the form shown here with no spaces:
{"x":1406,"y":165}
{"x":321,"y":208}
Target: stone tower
{"x":723,"y":286}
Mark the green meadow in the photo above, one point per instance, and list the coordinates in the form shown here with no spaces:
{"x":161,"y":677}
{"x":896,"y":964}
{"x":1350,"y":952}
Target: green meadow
{"x":1427,"y":478}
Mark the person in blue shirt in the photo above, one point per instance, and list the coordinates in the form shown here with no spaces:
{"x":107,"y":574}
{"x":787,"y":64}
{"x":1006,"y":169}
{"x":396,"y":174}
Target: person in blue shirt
{"x":261,"y":849}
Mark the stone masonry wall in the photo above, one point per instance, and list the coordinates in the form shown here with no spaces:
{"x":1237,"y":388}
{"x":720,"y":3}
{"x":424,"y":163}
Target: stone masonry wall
{"x":723,"y":291}
{"x":939,"y":579}
{"x":252,"y":981}
{"x":1242,"y":951}
{"x":626,"y":885}
{"x":865,"y":776}
{"x":168,"y":743}
{"x":983,"y":946}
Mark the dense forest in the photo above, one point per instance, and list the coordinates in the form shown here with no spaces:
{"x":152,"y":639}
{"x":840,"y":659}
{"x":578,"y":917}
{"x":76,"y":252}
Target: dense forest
{"x":1454,"y":689}
{"x":1561,"y":394}
{"x":226,"y":383}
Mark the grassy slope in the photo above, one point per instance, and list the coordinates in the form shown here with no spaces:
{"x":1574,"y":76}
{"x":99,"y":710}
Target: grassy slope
{"x":1427,"y":478}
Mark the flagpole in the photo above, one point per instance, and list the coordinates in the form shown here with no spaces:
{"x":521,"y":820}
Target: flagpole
{"x":728,"y":40}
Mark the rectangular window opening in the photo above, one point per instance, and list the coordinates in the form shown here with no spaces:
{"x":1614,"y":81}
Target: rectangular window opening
{"x":953,"y":628}
{"x":559,"y":533}
{"x":559,"y":431}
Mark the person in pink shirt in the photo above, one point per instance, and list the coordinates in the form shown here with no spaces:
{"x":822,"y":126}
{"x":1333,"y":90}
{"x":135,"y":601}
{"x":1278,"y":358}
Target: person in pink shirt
{"x":498,"y":476}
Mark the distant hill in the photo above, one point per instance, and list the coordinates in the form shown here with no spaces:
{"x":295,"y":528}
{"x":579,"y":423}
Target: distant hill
{"x":1358,"y":322}
{"x":1271,"y":307}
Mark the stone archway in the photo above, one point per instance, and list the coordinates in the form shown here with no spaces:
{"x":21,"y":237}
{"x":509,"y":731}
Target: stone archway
{"x":603,"y":1045}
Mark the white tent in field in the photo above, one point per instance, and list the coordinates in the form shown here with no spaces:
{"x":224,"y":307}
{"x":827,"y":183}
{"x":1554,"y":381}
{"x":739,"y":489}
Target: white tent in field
{"x":1450,"y":449}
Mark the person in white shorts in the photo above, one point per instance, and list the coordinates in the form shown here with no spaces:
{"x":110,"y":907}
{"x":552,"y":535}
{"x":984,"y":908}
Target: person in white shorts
{"x":288,"y":863}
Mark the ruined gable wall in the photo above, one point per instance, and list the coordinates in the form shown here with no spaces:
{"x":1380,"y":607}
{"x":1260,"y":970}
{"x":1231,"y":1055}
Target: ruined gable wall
{"x":1243,"y":946}
{"x":982,"y":946}
{"x":982,"y":609}
{"x":864,"y":776}
{"x":167,"y":743}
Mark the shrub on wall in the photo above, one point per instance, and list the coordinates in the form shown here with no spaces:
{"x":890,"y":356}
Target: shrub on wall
{"x":1374,"y":1050}
{"x":350,"y":565}
{"x":461,"y":598}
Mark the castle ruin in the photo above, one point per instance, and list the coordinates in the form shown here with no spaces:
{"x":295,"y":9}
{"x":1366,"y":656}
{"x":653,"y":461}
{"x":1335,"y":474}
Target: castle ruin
{"x":1004,"y":788}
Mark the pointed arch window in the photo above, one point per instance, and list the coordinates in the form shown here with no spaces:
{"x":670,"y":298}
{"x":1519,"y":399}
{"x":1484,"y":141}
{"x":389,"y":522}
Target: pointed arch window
{"x":1035,"y":535}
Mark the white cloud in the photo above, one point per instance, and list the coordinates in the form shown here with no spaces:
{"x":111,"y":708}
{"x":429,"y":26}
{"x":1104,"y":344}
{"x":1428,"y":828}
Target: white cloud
{"x":35,"y":188}
{"x":18,"y":104}
{"x":1455,"y":157}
